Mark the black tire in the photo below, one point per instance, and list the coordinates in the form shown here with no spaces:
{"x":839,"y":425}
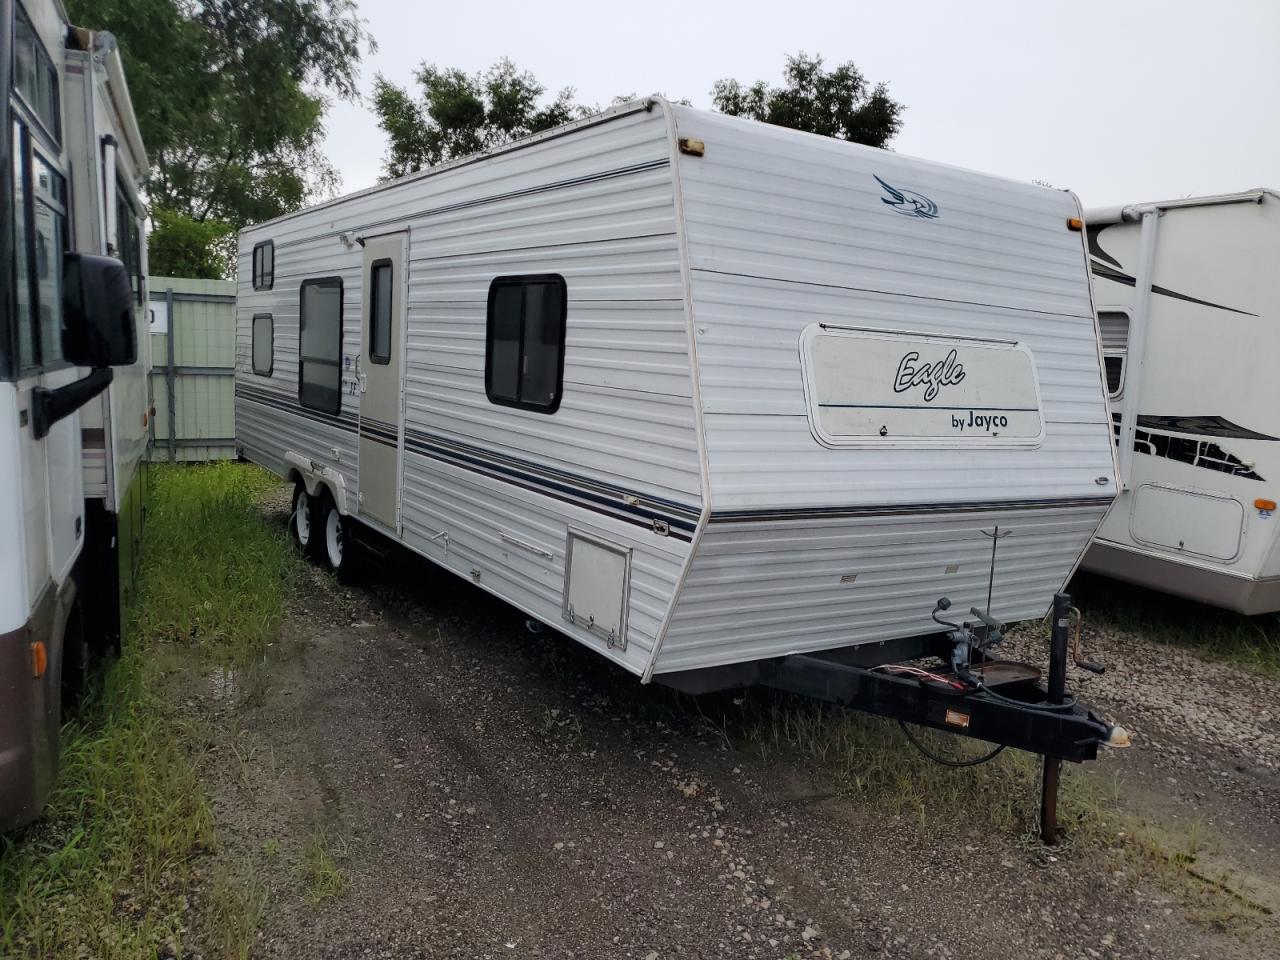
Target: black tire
{"x":302,"y":521}
{"x":335,"y":546}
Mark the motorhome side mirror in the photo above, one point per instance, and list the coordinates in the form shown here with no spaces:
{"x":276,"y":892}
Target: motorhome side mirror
{"x":97,"y":312}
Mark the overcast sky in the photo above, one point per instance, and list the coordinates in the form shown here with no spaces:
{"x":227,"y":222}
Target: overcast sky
{"x":1119,"y":101}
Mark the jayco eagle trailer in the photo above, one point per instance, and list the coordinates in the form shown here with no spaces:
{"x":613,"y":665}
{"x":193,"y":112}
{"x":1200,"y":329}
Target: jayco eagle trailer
{"x":701,"y":392}
{"x":1188,"y":299}
{"x":70,"y":164}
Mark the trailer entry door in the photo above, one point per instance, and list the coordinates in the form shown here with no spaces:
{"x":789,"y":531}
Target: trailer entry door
{"x":381,"y":355}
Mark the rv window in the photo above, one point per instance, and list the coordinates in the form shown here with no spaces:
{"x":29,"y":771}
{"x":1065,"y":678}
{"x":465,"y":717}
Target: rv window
{"x":1113,"y":326}
{"x":129,"y":238}
{"x":524,"y":350}
{"x":21,"y":247}
{"x":264,"y":336}
{"x":380,"y":312}
{"x":35,"y":77}
{"x":264,"y":265}
{"x":320,"y":345}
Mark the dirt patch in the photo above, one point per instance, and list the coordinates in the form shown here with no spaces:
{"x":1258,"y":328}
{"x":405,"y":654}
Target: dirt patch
{"x":481,"y":791}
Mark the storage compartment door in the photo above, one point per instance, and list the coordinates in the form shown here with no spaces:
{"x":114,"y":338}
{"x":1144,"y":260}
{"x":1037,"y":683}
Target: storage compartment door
{"x":1189,"y":521}
{"x":597,"y":581}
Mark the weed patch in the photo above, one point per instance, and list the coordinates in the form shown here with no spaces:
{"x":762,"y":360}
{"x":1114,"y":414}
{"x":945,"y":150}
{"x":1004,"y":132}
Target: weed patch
{"x":106,"y":872}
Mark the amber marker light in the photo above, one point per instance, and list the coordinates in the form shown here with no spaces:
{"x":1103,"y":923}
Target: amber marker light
{"x":1075,"y":223}
{"x":39,"y":659}
{"x":1265,"y":505}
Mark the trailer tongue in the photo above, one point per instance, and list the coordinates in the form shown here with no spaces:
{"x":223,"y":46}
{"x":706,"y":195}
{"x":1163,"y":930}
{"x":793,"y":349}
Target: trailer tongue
{"x":967,"y":693}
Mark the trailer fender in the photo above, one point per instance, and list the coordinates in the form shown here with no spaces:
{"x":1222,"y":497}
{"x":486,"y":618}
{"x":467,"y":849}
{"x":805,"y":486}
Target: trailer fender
{"x":316,"y":477}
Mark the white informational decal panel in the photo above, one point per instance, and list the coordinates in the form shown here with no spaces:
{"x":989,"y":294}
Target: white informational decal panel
{"x":869,"y":387}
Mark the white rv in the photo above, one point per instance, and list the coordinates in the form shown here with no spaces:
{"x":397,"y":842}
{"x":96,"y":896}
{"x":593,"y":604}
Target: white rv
{"x":697,"y":391}
{"x":1188,"y":299}
{"x":73,"y":405}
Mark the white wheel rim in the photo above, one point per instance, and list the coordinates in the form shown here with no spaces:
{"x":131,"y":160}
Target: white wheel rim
{"x":333,"y":537}
{"x":302,"y":518}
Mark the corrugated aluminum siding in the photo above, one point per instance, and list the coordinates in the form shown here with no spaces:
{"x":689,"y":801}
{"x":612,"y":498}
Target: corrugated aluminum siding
{"x":596,"y":207}
{"x":785,"y":230}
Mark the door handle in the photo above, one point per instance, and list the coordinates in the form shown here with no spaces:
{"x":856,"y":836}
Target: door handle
{"x":364,"y":383}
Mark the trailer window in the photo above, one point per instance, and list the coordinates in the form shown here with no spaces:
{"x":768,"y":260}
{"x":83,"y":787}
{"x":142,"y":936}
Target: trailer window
{"x":1113,"y":326}
{"x":35,"y":77}
{"x":380,"y":296}
{"x":320,"y":345}
{"x":524,"y":349}
{"x":264,"y":344}
{"x":264,"y":265}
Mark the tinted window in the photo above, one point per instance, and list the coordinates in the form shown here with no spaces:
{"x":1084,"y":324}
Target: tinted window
{"x":35,"y":77}
{"x":380,"y":312}
{"x":320,"y":345}
{"x":524,"y":350}
{"x":264,"y":265}
{"x":50,"y":242}
{"x":263,"y":344}
{"x":22,"y":258}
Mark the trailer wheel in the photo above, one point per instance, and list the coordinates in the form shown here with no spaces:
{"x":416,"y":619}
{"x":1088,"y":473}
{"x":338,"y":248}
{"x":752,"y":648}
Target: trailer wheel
{"x":333,"y":531}
{"x":301,"y":521}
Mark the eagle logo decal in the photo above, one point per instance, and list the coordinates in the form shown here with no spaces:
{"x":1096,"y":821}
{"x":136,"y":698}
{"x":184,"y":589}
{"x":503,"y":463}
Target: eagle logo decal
{"x":908,"y":202}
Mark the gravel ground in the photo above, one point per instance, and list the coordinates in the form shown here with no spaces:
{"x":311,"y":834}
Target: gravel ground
{"x":487,"y":792}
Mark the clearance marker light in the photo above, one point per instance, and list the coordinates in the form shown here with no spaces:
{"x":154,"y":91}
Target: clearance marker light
{"x":1075,"y":223}
{"x":39,"y":659}
{"x":1266,"y":506}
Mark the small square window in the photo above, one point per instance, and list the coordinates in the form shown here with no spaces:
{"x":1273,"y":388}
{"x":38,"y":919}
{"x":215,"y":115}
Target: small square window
{"x":524,"y":345}
{"x":264,"y":265}
{"x":264,"y":344}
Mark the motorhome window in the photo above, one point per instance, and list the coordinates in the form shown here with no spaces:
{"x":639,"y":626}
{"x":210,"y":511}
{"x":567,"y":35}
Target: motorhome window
{"x":264,"y":265}
{"x":320,"y":345}
{"x":25,"y":313}
{"x":35,"y":77}
{"x":380,"y":297}
{"x":50,"y":236}
{"x":264,"y":344}
{"x":524,"y":349}
{"x":1113,"y":326}
{"x":130,"y":239}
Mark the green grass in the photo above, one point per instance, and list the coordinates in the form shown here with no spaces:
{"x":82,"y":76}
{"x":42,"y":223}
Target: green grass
{"x":324,"y":877}
{"x":106,"y":872}
{"x":1212,"y":634}
{"x":869,"y":759}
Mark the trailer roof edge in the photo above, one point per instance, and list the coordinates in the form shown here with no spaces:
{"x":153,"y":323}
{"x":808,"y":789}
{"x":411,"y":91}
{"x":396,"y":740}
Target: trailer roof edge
{"x":643,"y":104}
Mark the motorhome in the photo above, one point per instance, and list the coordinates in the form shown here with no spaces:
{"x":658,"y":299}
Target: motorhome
{"x":73,"y":402}
{"x":1188,"y":300}
{"x":695,"y":390}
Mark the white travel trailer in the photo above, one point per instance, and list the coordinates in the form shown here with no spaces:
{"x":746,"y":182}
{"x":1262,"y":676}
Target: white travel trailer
{"x":696,"y":390}
{"x":1188,"y":299}
{"x":70,"y":429}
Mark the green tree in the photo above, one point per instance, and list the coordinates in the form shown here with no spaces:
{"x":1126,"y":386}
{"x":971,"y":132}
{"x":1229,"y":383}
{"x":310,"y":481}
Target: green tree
{"x":840,"y":103}
{"x":230,"y":97}
{"x":459,"y":113}
{"x":179,"y":246}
